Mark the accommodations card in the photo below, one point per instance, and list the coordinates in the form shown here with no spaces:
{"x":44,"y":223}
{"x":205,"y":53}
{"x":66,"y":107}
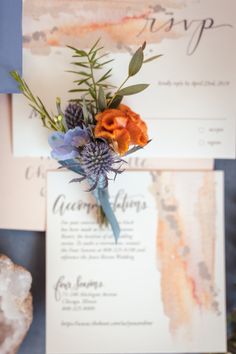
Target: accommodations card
{"x":22,"y":183}
{"x":159,"y":289}
{"x":190,"y":104}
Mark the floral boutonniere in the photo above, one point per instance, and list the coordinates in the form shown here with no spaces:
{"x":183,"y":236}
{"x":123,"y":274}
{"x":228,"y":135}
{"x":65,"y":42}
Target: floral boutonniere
{"x":96,"y":130}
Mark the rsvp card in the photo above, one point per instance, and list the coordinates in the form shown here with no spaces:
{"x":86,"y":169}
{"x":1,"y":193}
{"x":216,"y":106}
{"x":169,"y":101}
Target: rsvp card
{"x":159,"y":289}
{"x":190,"y":104}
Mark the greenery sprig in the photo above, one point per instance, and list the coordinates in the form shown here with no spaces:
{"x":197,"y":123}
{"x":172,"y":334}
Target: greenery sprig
{"x":50,"y":121}
{"x":93,"y":89}
{"x":135,"y":66}
{"x":89,"y":138}
{"x":98,"y":91}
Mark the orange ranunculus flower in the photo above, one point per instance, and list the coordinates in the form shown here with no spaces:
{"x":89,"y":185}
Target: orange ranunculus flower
{"x":123,"y":126}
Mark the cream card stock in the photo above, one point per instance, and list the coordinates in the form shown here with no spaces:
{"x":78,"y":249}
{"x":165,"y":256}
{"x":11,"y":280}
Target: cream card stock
{"x":190,"y":105}
{"x":159,"y":289}
{"x":22,"y":181}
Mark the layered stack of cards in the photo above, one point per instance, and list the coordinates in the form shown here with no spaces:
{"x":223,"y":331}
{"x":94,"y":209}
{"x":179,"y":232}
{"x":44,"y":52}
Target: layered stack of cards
{"x":161,"y":288}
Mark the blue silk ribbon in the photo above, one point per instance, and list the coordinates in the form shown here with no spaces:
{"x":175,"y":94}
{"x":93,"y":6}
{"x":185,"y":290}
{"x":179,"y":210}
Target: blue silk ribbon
{"x":101,"y":195}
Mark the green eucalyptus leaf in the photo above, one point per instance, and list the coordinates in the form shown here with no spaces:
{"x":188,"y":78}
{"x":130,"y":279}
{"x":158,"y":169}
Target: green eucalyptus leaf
{"x":152,"y":58}
{"x":116,"y":102}
{"x":136,"y":62}
{"x":102,"y":104}
{"x":132,"y":90}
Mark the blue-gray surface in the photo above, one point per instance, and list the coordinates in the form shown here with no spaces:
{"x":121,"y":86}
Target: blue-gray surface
{"x":28,"y":249}
{"x":10,"y":43}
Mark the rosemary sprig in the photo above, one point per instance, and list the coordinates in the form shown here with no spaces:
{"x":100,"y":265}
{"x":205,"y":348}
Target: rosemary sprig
{"x":87,"y":84}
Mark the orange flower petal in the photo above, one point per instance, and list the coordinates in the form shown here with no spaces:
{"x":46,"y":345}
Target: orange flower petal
{"x":104,"y":134}
{"x":121,"y":121}
{"x":129,"y":113}
{"x":123,"y":140}
{"x":143,"y":126}
{"x":123,"y":126}
{"x":109,"y":122}
{"x":142,"y":140}
{"x":137,"y":136}
{"x":99,"y":116}
{"x":109,"y":112}
{"x":123,"y":108}
{"x":100,"y":132}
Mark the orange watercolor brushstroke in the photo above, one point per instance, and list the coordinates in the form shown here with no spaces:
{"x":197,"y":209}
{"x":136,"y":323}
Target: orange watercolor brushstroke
{"x":95,"y":26}
{"x":53,"y":42}
{"x":208,"y":189}
{"x":178,"y":290}
{"x":182,"y":291}
{"x":124,"y":31}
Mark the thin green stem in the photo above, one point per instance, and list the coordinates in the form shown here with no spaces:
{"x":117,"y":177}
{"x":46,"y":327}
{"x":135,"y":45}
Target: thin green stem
{"x":115,"y":94}
{"x":36,"y":103}
{"x":93,"y":81}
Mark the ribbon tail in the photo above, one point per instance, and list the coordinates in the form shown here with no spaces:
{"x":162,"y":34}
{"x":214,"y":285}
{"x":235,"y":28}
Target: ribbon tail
{"x":100,"y":194}
{"x":72,"y":165}
{"x":103,"y":197}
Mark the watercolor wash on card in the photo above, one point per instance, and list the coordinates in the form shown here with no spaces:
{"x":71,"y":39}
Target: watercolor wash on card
{"x":186,"y":85}
{"x":168,"y":264}
{"x":121,"y":24}
{"x":186,"y":246}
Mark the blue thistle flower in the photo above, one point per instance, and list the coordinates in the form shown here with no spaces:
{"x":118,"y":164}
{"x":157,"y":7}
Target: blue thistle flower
{"x":97,"y":160}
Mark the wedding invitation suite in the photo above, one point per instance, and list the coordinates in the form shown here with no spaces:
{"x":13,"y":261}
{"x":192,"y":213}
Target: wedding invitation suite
{"x":190,"y":104}
{"x":159,"y":289}
{"x":23,"y":183}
